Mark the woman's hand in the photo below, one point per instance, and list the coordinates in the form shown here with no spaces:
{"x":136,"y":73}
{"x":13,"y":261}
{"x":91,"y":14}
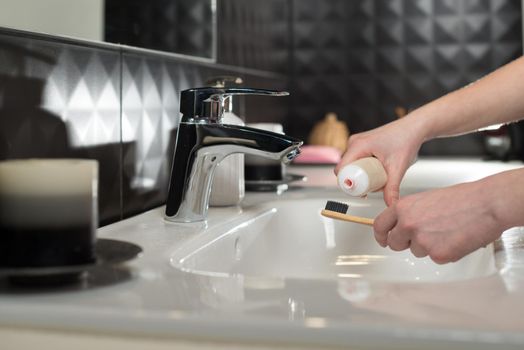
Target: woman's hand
{"x":395,"y":144}
{"x":446,"y":223}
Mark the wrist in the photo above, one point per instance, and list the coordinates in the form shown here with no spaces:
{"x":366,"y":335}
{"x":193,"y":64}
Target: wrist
{"x":504,"y":197}
{"x":418,"y":125}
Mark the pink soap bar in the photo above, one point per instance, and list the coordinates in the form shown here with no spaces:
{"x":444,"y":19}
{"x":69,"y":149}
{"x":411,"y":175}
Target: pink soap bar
{"x":311,"y":154}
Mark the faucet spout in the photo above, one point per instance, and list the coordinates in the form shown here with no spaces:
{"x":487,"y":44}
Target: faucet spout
{"x":200,"y":147}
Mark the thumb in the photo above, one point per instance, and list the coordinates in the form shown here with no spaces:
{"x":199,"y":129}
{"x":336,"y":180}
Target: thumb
{"x":392,"y":188}
{"x":349,"y":157}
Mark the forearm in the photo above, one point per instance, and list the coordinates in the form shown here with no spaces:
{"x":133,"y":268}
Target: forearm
{"x":496,"y":98}
{"x":451,"y":222}
{"x":505,"y":196}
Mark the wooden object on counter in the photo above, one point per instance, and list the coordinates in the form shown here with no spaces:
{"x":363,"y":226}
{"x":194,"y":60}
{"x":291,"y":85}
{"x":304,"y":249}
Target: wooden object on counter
{"x":330,"y":132}
{"x":400,"y":112}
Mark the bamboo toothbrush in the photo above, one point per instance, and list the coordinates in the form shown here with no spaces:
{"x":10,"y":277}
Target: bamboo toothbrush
{"x":337,"y":210}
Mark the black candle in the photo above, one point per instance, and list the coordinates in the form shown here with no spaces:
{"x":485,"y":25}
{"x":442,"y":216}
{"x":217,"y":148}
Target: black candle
{"x":48,"y":212}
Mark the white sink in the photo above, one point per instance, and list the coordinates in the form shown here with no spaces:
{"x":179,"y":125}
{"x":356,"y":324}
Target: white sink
{"x":275,"y":273}
{"x":290,"y":239}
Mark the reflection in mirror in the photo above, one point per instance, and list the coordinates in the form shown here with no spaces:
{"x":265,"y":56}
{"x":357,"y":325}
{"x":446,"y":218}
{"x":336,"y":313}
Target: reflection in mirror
{"x":181,"y":26}
{"x":185,"y":27}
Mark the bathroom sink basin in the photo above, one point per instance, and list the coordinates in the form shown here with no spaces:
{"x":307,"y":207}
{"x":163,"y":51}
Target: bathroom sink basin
{"x":275,"y":269}
{"x":290,"y":239}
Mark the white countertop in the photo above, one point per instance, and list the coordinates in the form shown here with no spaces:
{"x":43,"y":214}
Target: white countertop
{"x":153,"y":299}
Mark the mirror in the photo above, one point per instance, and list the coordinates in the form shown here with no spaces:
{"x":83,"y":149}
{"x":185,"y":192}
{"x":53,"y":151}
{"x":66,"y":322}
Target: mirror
{"x":185,"y":27}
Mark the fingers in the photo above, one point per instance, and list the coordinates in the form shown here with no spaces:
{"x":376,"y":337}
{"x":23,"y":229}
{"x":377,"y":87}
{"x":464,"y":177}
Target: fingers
{"x":384,"y":223}
{"x":353,"y":152}
{"x":346,"y":158}
{"x":349,"y":157}
{"x":417,"y":250}
{"x":391,"y":193}
{"x":398,"y":240}
{"x":339,"y":166}
{"x":392,"y":188}
{"x":389,"y":233}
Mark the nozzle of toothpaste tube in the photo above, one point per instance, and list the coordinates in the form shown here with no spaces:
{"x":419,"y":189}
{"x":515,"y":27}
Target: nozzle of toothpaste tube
{"x":362,"y":176}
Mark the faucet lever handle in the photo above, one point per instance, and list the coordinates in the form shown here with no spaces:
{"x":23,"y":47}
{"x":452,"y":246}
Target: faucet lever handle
{"x":207,"y":104}
{"x":222,"y":81}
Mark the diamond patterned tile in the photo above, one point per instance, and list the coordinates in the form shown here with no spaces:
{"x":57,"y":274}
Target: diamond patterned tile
{"x":477,"y":6}
{"x":389,"y":32}
{"x":447,"y":30}
{"x":62,"y":100}
{"x":418,"y":31}
{"x":505,"y":52}
{"x":360,"y":34}
{"x":194,"y":27}
{"x":446,"y":7}
{"x":390,"y":59}
{"x":506,"y":28}
{"x":421,"y":87}
{"x":183,"y":26}
{"x":336,"y":12}
{"x":364,"y":9}
{"x":268,"y":21}
{"x":447,"y":58}
{"x":418,"y":8}
{"x":361,"y":61}
{"x":393,"y":9}
{"x":505,"y":6}
{"x":150,"y":112}
{"x":396,"y":53}
{"x":477,"y":28}
{"x":419,"y":59}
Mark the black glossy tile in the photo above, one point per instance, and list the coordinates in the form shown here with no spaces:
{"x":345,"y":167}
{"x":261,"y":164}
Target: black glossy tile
{"x":254,"y":34}
{"x":62,"y":100}
{"x":150,"y":114}
{"x":395,"y":53}
{"x":184,"y":27}
{"x":151,"y":85}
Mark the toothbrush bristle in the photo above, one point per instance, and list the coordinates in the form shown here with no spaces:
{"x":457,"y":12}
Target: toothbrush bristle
{"x":337,"y":206}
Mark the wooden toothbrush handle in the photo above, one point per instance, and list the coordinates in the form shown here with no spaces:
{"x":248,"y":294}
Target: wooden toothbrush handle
{"x":346,"y":217}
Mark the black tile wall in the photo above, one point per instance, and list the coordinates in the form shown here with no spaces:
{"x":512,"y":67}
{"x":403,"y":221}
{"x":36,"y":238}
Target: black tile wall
{"x":62,"y":100}
{"x":363,"y":58}
{"x":151,"y":87}
{"x":255,"y":34}
{"x":150,"y":113}
{"x":182,"y":26}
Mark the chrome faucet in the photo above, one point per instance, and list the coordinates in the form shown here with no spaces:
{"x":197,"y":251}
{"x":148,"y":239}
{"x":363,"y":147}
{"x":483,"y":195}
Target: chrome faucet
{"x":203,"y":141}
